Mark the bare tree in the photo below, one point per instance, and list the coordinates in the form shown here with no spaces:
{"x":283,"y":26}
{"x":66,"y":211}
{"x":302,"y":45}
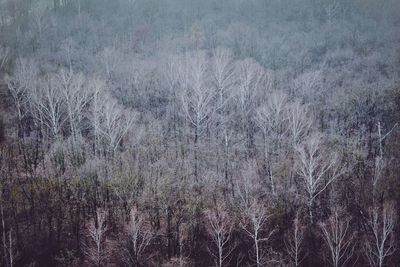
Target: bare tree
{"x":21,"y":85}
{"x":332,"y":8}
{"x":299,"y":122}
{"x":197,"y":97}
{"x":220,"y":229}
{"x":139,"y":236}
{"x":294,"y":242}
{"x":379,"y":167}
{"x":379,"y":242}
{"x":3,"y":230}
{"x":254,"y":223}
{"x":96,"y":88}
{"x":223,"y":72}
{"x":95,"y":249}
{"x":9,"y":243}
{"x":305,"y":84}
{"x":248,"y":185}
{"x":250,"y":78}
{"x":223,"y":78}
{"x":271,"y":118}
{"x":380,"y":162}
{"x":39,"y":16}
{"x":69,"y":46}
{"x":111,"y":121}
{"x":382,"y":137}
{"x":338,"y":238}
{"x":76,"y":98}
{"x":109,"y":58}
{"x":49,"y":108}
{"x":4,"y":56}
{"x":12,"y":248}
{"x":317,"y":169}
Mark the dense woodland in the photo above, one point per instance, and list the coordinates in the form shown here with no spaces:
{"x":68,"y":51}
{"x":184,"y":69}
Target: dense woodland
{"x":199,"y":133}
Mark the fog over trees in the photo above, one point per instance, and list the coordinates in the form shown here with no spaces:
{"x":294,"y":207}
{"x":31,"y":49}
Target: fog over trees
{"x":199,"y":133}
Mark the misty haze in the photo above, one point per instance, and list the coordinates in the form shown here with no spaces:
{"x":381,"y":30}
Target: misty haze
{"x":180,"y":133}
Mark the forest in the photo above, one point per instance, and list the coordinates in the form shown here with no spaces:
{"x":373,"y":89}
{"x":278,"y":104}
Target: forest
{"x":199,"y":133}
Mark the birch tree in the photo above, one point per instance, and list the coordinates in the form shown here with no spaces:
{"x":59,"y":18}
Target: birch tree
{"x":4,"y":57}
{"x":294,"y":243}
{"x":305,"y":84}
{"x":95,"y":249}
{"x":271,"y":118}
{"x":317,"y":169}
{"x":338,"y":238}
{"x":224,"y":79}
{"x":21,"y":86}
{"x":299,"y":122}
{"x":254,"y":224}
{"x":111,"y":122}
{"x":220,"y":229}
{"x":380,"y":162}
{"x":76,"y":99}
{"x":379,"y":242}
{"x":223,"y":73}
{"x":139,"y":236}
{"x":250,"y":78}
{"x":197,"y":97}
{"x":96,"y":89}
{"x":49,"y":108}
